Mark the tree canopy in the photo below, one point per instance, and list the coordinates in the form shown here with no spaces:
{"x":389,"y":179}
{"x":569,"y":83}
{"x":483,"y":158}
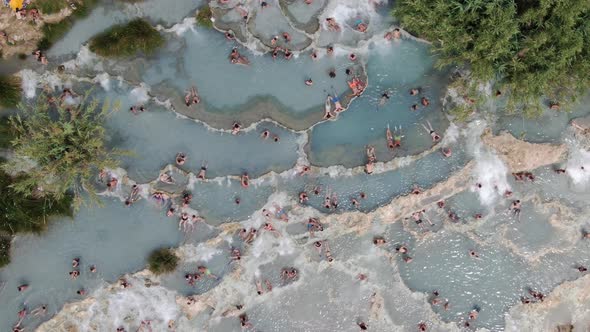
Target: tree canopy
{"x":60,"y":148}
{"x":531,"y":48}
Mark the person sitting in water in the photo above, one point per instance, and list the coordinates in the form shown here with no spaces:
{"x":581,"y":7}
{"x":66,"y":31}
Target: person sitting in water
{"x":244,"y":322}
{"x":314,"y":55}
{"x":236,"y":128}
{"x":236,"y":58}
{"x":180,"y":159}
{"x":166,"y":178}
{"x":203,"y":171}
{"x":360,"y":26}
{"x":203,"y":270}
{"x":286,"y":37}
{"x":384,"y":98}
{"x":378,"y":240}
{"x":337,"y":105}
{"x":330,"y":50}
{"x":75,"y":262}
{"x":414,"y":91}
{"x":435,"y":137}
{"x":309,"y":82}
{"x":447,"y":152}
{"x":371,"y":159}
{"x":276,"y":138}
{"x":516,"y":206}
{"x":265,"y":134}
{"x":245,"y":180}
{"x":328,"y":108}
{"x":328,"y":201}
{"x":230,"y":35}
{"x":425,"y":102}
{"x":395,"y":34}
{"x":389,"y":137}
{"x":303,"y":198}
{"x":280,"y":213}
{"x":195,"y":99}
{"x":288,"y":54}
{"x":332,"y":24}
{"x":352,"y":57}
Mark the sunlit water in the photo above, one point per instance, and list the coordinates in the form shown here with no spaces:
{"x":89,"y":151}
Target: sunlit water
{"x":540,"y":250}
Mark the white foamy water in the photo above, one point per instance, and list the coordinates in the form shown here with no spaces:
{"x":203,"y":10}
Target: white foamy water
{"x":490,"y":171}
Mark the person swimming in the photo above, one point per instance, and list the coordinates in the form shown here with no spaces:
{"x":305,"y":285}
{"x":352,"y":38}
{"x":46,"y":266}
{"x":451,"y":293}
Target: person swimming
{"x":384,"y":98}
{"x":435,"y":137}
{"x":371,"y":159}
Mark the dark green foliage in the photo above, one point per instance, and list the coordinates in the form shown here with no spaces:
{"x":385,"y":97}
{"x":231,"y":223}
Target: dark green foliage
{"x":10,"y":91}
{"x":20,"y":214}
{"x":204,"y":16}
{"x":6,"y":133}
{"x":162,"y":261}
{"x":127,"y":40}
{"x":49,"y":6}
{"x":66,"y":145}
{"x":4,"y":250}
{"x":533,"y":48}
{"x":52,"y":32}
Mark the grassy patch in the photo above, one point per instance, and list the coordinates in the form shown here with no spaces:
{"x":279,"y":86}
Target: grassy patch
{"x":10,"y":91}
{"x":204,"y":16}
{"x":162,"y":261}
{"x":127,"y":40}
{"x":4,"y":250}
{"x":52,"y":32}
{"x":49,"y":6}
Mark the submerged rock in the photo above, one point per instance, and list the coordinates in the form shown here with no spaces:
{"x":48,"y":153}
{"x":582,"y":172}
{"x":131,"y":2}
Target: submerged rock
{"x":522,"y":156}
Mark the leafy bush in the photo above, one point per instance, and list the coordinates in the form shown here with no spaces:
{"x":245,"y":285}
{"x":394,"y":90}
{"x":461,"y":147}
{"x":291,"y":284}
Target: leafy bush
{"x":204,"y":16}
{"x":10,"y":91}
{"x":127,"y":40}
{"x":162,"y":261}
{"x":534,"y":49}
{"x":66,"y":145}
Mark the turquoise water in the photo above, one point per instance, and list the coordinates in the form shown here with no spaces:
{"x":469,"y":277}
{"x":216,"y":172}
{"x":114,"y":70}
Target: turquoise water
{"x":540,"y":251}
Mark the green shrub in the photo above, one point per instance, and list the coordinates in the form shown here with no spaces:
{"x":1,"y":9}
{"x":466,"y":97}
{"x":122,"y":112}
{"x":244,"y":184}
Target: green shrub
{"x":4,"y":250}
{"x":127,"y":40}
{"x":49,"y":6}
{"x":66,"y":147}
{"x":162,"y":261}
{"x":10,"y":91}
{"x":204,"y":16}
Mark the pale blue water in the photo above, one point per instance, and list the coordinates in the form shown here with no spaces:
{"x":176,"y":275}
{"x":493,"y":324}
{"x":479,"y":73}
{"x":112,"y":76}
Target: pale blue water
{"x":534,"y":252}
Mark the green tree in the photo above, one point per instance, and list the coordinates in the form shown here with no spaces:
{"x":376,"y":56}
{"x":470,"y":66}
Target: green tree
{"x":60,"y":149}
{"x":531,"y":48}
{"x":162,"y":260}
